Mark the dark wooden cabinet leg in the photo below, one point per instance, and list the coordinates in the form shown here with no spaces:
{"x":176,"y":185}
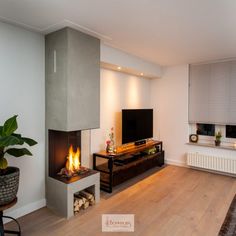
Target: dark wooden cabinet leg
{"x":110,"y":167}
{"x":1,"y":224}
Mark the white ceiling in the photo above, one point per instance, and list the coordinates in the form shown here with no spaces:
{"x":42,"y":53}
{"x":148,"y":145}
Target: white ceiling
{"x":166,"y":32}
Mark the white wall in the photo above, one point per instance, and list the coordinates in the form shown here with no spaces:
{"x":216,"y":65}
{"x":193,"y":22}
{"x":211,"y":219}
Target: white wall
{"x":112,"y":57}
{"x":118,"y":91}
{"x":169,"y":98}
{"x":22,"y":93}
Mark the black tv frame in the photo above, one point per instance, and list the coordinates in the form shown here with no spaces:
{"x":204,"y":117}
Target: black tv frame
{"x":142,"y":139}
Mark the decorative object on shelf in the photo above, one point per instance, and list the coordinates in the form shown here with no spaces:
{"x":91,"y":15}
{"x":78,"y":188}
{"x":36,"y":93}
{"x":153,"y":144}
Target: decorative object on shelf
{"x":108,"y":147}
{"x":111,"y":143}
{"x":9,"y":176}
{"x":150,"y":151}
{"x":193,"y":138}
{"x":218,"y":136}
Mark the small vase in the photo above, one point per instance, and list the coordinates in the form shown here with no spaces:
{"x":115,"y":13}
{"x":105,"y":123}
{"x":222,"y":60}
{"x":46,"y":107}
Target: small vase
{"x":217,"y":142}
{"x":110,"y":147}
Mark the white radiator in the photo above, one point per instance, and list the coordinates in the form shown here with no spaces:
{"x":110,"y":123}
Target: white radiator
{"x":212,"y":162}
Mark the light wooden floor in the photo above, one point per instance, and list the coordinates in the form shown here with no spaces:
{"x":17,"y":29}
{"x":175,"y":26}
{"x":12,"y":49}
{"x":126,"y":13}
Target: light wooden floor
{"x":172,"y":201}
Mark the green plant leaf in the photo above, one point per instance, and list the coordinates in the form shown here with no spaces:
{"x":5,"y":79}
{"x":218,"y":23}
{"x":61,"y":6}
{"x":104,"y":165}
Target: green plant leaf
{"x":21,"y":141}
{"x":8,"y":141}
{"x":9,"y":126}
{"x":29,"y":141}
{"x":16,"y":135}
{"x":18,"y":152}
{"x":3,"y":163}
{"x":1,"y":130}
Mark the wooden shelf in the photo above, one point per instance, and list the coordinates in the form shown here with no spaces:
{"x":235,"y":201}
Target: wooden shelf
{"x":129,"y":148}
{"x":117,"y":168}
{"x":212,"y":146}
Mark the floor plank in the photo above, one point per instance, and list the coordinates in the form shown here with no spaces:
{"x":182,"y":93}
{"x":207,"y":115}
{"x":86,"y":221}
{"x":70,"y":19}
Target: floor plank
{"x":172,"y":201}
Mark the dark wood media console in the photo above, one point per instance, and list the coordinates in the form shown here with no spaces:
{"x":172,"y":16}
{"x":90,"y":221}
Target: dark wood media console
{"x":128,"y":162}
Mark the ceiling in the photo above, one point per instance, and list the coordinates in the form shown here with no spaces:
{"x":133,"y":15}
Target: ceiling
{"x":166,"y":32}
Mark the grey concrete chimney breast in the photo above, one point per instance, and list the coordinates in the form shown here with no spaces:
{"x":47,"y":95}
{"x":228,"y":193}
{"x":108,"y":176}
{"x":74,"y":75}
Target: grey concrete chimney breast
{"x":72,"y":80}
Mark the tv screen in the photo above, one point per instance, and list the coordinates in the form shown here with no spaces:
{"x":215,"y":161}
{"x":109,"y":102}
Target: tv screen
{"x":137,"y":124}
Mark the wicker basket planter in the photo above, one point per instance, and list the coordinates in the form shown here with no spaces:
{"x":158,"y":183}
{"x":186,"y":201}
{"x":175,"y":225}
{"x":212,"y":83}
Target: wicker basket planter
{"x":9,"y":184}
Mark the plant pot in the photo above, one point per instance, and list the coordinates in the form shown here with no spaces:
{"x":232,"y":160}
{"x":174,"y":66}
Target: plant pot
{"x":217,"y":142}
{"x":9,"y":183}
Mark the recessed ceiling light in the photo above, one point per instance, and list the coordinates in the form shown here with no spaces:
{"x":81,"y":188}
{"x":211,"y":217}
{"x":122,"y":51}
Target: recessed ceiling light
{"x":119,"y":68}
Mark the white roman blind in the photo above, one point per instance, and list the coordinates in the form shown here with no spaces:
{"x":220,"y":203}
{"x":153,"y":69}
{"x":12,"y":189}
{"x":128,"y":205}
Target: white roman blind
{"x":232,"y":94}
{"x":212,"y":93}
{"x":199,"y":93}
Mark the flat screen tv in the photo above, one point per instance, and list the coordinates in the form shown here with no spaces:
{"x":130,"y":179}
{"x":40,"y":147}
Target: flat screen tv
{"x":137,"y":124}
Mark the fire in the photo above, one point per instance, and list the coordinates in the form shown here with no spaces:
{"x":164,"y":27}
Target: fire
{"x":73,"y":163}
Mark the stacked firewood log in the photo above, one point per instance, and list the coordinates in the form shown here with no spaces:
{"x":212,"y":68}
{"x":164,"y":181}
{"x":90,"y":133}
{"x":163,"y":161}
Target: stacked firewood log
{"x":83,"y":200}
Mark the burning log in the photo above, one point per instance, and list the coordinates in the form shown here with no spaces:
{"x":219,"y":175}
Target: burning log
{"x":72,"y":166}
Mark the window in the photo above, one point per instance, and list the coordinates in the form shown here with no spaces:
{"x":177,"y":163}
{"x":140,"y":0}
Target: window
{"x":230,"y":131}
{"x":206,"y":129}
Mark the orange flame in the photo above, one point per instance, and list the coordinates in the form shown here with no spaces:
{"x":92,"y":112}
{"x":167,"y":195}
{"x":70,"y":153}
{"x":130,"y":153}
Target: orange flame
{"x":73,"y":163}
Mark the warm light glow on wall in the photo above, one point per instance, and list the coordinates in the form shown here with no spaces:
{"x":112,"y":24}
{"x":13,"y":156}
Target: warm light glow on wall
{"x":118,"y":91}
{"x":110,"y":87}
{"x":133,"y":93}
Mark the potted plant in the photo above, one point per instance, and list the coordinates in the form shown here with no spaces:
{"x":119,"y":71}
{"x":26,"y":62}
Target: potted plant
{"x":218,"y":136}
{"x":9,"y":176}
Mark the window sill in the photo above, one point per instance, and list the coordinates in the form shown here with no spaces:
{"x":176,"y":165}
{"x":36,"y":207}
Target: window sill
{"x":222,"y":146}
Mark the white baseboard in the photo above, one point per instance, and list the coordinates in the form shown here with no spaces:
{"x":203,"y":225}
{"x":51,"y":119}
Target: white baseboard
{"x":213,"y":171}
{"x":21,"y":211}
{"x":175,"y":162}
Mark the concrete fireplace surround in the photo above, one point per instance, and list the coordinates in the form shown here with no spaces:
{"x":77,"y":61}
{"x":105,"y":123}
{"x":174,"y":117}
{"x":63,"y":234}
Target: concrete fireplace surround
{"x":72,"y":104}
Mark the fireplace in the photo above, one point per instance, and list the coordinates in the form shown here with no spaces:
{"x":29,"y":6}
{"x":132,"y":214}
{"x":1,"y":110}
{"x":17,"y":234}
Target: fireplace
{"x":67,"y":180}
{"x":65,"y":156}
{"x":72,"y":110}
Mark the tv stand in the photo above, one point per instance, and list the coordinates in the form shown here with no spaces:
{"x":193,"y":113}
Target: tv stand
{"x":128,"y":162}
{"x":140,"y":142}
